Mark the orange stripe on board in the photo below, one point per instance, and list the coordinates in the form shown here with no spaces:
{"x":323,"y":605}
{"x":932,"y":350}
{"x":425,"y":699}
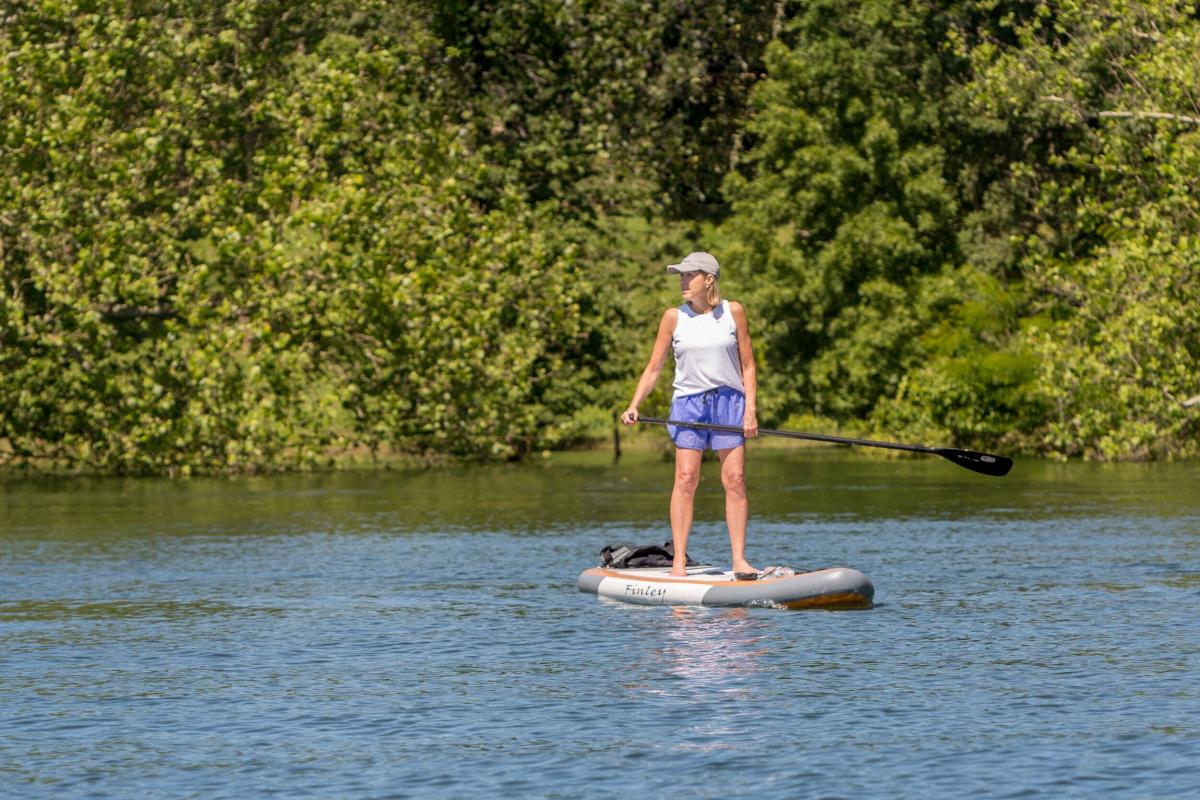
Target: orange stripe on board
{"x":608,"y":573}
{"x":843,"y":601}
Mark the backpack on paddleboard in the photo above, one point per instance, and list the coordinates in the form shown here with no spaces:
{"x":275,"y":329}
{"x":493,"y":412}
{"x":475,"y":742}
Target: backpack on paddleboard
{"x":628,"y":556}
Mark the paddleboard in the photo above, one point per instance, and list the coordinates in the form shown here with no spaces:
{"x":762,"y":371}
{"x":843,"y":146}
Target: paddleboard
{"x":834,"y":588}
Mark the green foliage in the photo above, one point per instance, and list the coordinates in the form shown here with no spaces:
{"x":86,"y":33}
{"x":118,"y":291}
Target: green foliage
{"x":1101,"y":223}
{"x":243,"y":235}
{"x":974,"y":384}
{"x":237,"y":235}
{"x":845,"y":208}
{"x":978,"y":223}
{"x":606,"y":106}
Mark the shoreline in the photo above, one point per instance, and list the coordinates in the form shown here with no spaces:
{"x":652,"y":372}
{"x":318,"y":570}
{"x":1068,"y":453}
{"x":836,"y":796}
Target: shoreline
{"x":637,"y":444}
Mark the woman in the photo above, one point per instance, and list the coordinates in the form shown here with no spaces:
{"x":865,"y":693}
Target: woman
{"x":715,"y":382}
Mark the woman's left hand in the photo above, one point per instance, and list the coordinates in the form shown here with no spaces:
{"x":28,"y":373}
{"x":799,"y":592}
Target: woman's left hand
{"x":750,"y":425}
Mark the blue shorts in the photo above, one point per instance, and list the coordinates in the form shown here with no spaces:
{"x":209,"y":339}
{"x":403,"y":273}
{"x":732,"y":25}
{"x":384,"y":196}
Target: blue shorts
{"x":723,"y":406}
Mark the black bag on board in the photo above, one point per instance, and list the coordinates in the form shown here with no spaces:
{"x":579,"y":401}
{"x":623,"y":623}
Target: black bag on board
{"x":622,"y":556}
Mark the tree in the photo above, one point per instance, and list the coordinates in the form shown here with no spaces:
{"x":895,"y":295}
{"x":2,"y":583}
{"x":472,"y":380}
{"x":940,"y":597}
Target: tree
{"x":846,"y":207}
{"x":1098,"y":219}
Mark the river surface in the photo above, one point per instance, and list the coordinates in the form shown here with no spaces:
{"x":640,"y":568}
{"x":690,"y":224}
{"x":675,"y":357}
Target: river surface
{"x":419,"y":634}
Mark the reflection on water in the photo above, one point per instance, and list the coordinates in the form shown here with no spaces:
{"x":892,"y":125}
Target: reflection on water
{"x":713,"y":650}
{"x":44,"y":611}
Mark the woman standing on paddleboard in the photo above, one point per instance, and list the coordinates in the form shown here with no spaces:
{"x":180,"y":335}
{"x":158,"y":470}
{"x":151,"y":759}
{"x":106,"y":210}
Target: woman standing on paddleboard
{"x":715,"y":382}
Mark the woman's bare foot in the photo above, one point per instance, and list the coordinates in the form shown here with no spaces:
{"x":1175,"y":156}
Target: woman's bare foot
{"x":678,"y":570}
{"x":743,"y":566}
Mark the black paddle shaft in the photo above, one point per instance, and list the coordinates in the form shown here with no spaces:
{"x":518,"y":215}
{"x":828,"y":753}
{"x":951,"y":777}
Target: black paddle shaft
{"x":983,"y":463}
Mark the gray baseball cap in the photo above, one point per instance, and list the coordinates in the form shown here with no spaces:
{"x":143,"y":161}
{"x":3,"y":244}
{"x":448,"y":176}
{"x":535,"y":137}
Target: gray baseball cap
{"x":698,"y":262}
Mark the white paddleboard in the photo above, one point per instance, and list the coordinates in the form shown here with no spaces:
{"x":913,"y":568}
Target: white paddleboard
{"x":833,"y":588}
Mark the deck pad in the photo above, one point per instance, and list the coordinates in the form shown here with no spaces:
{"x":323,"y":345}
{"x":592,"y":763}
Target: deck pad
{"x":702,"y":573}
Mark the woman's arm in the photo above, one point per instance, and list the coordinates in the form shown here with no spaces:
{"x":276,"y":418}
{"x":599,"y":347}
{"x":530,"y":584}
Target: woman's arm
{"x":666,"y":329}
{"x":749,"y":371}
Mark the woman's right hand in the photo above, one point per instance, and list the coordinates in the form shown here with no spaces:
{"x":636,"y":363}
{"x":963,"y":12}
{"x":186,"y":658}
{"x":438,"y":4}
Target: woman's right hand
{"x":629,"y":416}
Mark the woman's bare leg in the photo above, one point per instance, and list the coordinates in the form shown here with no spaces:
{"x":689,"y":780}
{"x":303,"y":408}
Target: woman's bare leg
{"x":737,"y":507}
{"x":683,"y":496}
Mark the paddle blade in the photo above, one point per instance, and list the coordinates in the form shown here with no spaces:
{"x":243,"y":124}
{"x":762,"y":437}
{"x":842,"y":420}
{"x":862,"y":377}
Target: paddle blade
{"x":996,"y":466}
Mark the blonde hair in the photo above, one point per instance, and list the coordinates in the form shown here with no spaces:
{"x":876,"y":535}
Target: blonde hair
{"x":714,"y":291}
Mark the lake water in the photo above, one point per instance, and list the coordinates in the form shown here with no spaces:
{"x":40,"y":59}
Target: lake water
{"x":419,"y":634}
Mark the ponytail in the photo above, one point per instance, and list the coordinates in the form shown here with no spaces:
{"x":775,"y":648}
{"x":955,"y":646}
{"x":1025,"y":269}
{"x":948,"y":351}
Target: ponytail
{"x":714,"y":292}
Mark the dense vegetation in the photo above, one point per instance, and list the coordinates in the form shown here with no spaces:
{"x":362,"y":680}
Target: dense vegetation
{"x":248,"y":234}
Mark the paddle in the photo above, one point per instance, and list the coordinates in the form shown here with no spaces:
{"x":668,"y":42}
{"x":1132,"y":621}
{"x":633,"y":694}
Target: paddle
{"x":984,"y":463}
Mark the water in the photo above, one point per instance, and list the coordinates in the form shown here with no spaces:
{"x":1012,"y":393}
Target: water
{"x":407,"y":634}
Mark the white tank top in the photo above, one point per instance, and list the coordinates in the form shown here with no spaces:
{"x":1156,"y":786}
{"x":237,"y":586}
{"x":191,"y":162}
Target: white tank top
{"x":706,"y":351}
